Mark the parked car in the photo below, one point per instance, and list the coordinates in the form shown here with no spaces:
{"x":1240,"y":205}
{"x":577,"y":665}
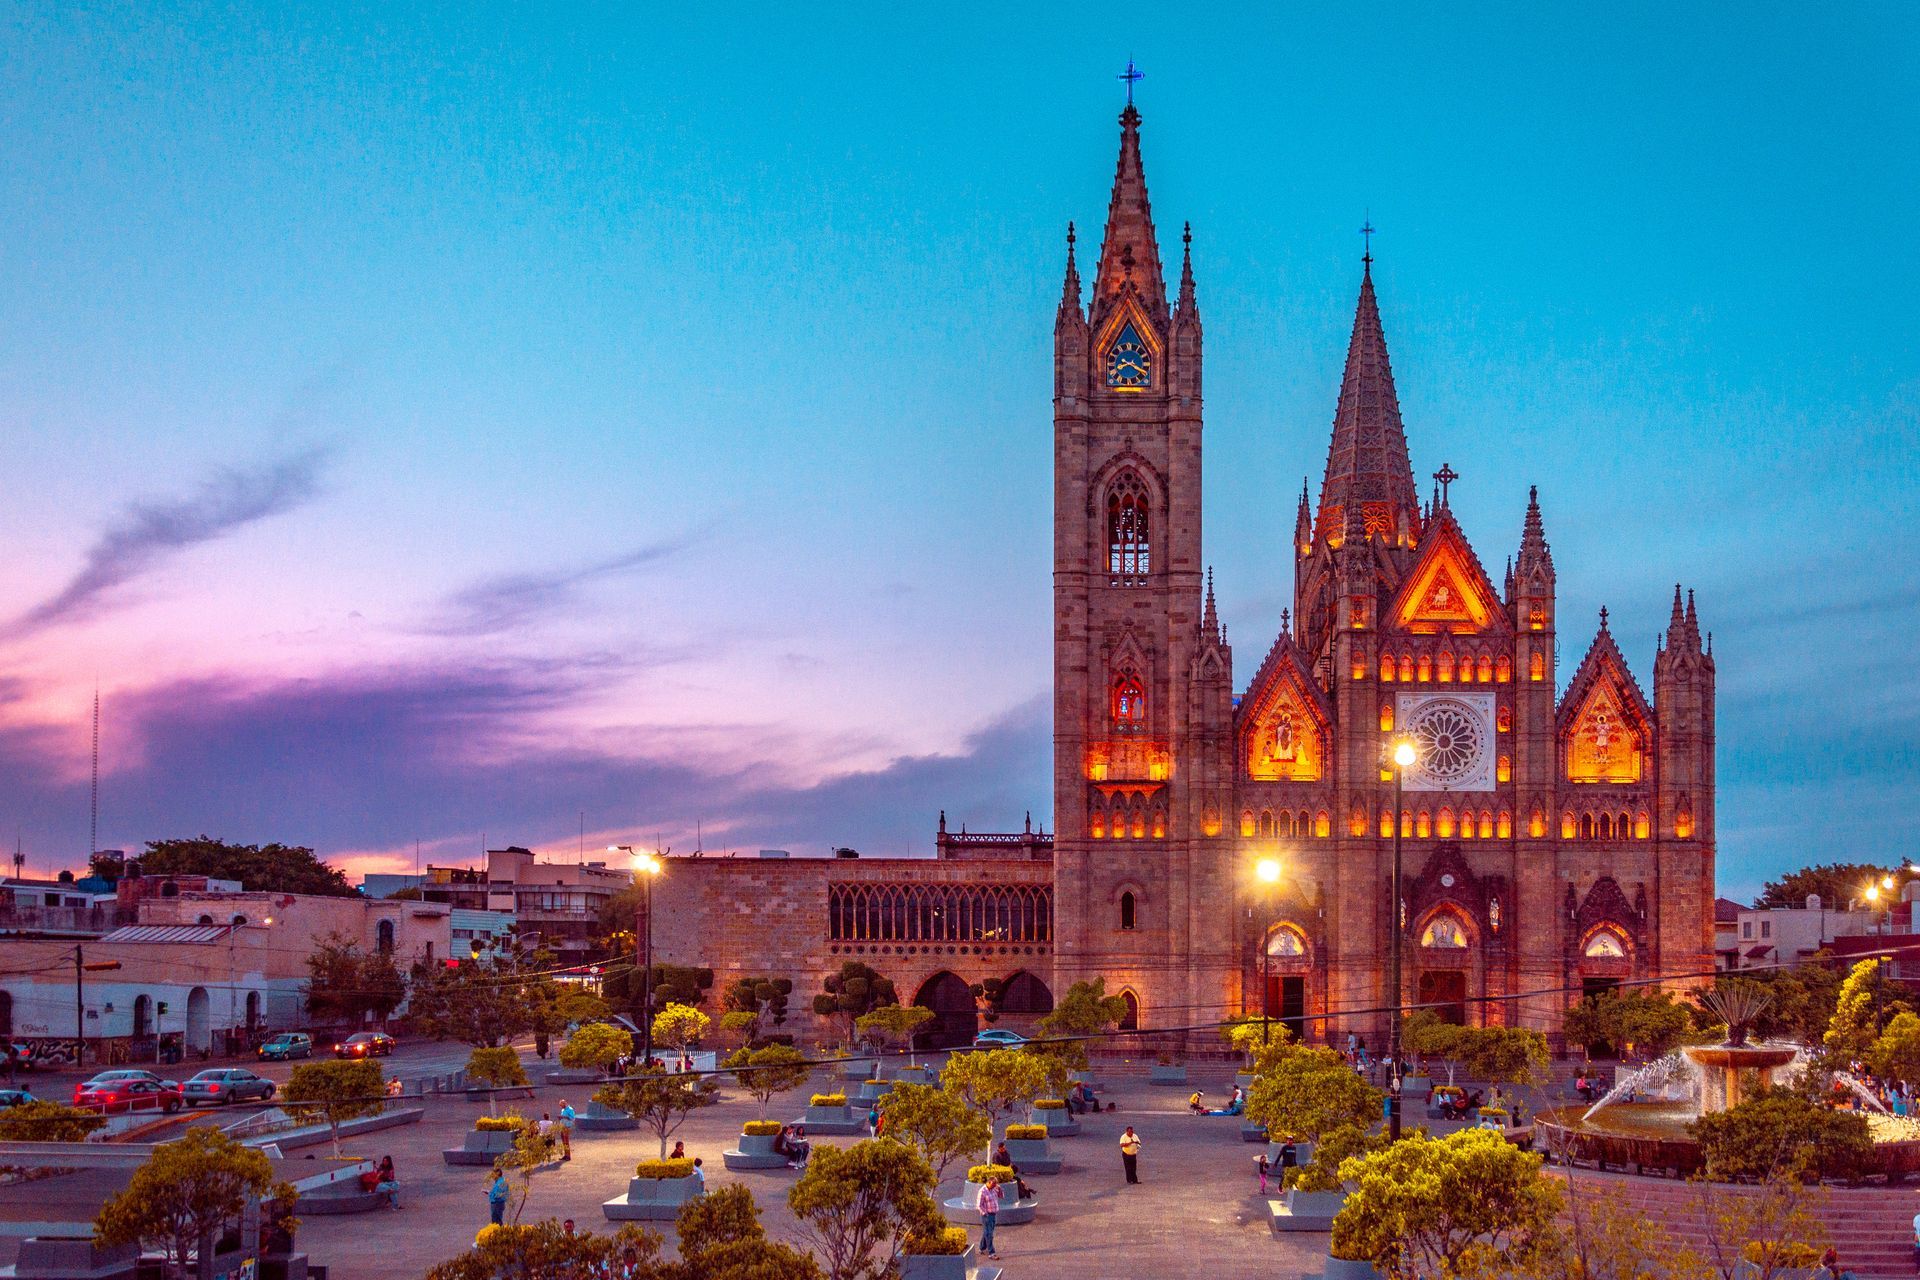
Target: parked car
{"x":107,"y":1079}
{"x":364,"y":1044}
{"x":288,"y":1044}
{"x":223,"y":1085}
{"x":20,"y":1057}
{"x":993,"y":1038}
{"x":15,"y":1097}
{"x":129,"y":1092}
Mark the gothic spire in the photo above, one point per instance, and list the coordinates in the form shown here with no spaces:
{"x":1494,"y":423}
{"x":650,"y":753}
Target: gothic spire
{"x":1367,"y":464}
{"x":1679,"y":617}
{"x":1070,"y":292}
{"x":1535,"y":557}
{"x":1209,"y":615}
{"x":1188,"y":303}
{"x":1130,"y":253}
{"x":1303,"y":523}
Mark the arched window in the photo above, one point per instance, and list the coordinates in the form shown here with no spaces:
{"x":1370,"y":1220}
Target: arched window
{"x":1503,"y":670}
{"x":1246,"y":822}
{"x":1128,"y":553}
{"x":1386,"y":822}
{"x":1606,"y":945}
{"x":1444,"y":932}
{"x":1099,"y":823}
{"x":1386,"y":667}
{"x":1129,"y":703}
{"x":1386,"y":716}
{"x":1423,"y":825}
{"x":383,"y":937}
{"x":1504,"y":720}
{"x":1406,"y":667}
{"x":1322,"y":823}
{"x":1486,"y":824}
{"x":1266,"y":824}
{"x":1445,"y":672}
{"x":1640,"y":826}
{"x":1130,"y":1020}
{"x":1504,"y":769}
{"x":1537,"y":667}
{"x":1357,"y":822}
{"x":1506,"y":825}
{"x":1444,"y":827}
{"x":1486,"y":669}
{"x":1127,"y":910}
{"x":1285,"y":942}
{"x":1588,"y":828}
{"x":1425,"y":668}
{"x":1567,"y":827}
{"x":1159,"y":823}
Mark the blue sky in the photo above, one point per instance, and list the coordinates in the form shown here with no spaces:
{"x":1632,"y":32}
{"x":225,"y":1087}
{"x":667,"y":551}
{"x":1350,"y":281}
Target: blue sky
{"x":441,"y":423}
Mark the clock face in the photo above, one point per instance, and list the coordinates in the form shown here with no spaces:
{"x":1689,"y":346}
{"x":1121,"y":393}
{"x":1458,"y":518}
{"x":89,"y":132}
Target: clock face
{"x":1129,"y":361}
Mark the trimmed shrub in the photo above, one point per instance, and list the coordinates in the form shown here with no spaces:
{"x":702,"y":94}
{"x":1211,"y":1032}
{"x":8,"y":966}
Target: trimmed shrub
{"x":497,"y":1124}
{"x":1025,"y":1132}
{"x":761,"y":1128}
{"x":1050,"y":1104}
{"x":681,"y":1168}
{"x":981,"y":1172}
{"x":948,"y":1242}
{"x":827,"y":1100}
{"x":1780,"y":1253}
{"x":487,"y":1233}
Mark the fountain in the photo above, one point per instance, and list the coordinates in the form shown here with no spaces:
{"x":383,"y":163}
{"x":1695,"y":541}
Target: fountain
{"x":1623,"y":1129}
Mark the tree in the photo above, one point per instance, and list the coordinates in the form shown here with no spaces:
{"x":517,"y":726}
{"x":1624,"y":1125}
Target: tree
{"x":495,"y":1069}
{"x":1084,"y":1011}
{"x":335,"y":1092}
{"x":855,"y":990}
{"x":1851,"y":1032}
{"x":260,"y":868}
{"x":1896,"y":1054}
{"x":763,"y":1001}
{"x":1249,"y":1036}
{"x":997,"y":1081}
{"x":721,"y":1239}
{"x":1804,"y":998}
{"x":859,"y":1204}
{"x":1428,"y":1036}
{"x":770,"y":1069}
{"x":345,"y":984}
{"x":1782,"y":1133}
{"x":893,"y":1024}
{"x":42,"y":1121}
{"x":1424,"y":1207}
{"x":1649,"y":1022}
{"x":1506,"y":1055}
{"x":1837,"y":883}
{"x":545,"y":1251}
{"x":532,"y":1151}
{"x":936,"y":1123}
{"x":661,"y":1099}
{"x":679,"y":1027}
{"x":1308,"y":1094}
{"x":181,"y":1200}
{"x":483,"y":1005}
{"x":672,"y":984}
{"x":596,"y":1047}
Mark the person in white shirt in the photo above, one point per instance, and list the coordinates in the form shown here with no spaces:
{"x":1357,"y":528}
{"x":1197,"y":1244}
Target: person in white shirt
{"x":987,"y":1203}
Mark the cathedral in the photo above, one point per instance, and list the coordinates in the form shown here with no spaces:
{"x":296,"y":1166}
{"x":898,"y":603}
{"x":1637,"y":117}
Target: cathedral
{"x":1551,"y":845}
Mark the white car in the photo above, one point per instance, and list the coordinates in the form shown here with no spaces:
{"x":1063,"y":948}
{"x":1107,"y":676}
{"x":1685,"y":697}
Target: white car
{"x":995,"y":1039}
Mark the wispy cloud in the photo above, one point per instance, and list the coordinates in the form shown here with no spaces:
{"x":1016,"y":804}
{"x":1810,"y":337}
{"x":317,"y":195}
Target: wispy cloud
{"x":513,"y":600}
{"x":147,"y":534}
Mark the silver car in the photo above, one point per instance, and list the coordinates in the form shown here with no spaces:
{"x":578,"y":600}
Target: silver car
{"x":223,"y":1085}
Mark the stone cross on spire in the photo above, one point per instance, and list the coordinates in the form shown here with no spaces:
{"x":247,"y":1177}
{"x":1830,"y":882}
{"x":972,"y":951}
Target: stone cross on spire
{"x":1446,"y":475}
{"x":1131,"y":75}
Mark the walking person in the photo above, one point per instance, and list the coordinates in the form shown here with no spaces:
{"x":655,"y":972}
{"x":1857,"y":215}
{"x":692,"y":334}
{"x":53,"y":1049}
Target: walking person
{"x":567,"y":1117}
{"x":1262,"y":1166}
{"x":1130,"y":1154}
{"x":873,"y":1120}
{"x":987,"y":1203}
{"x":497,"y":1198}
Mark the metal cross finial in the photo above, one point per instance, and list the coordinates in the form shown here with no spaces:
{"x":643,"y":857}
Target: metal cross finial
{"x":1130,"y":75}
{"x":1446,"y":475}
{"x":1366,"y":242}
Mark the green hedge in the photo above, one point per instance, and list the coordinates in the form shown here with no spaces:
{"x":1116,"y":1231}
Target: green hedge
{"x":827,"y":1100}
{"x":981,"y":1172}
{"x":1050,"y":1104}
{"x":682,"y":1168}
{"x":949,"y":1242}
{"x":1025,"y":1132}
{"x":761,"y":1128}
{"x":497,"y":1124}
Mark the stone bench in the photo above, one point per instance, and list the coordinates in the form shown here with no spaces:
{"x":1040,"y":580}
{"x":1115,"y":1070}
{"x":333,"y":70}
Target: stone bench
{"x":1251,"y":1132}
{"x":74,"y":1258}
{"x":340,"y":1197}
{"x":1305,"y":1210}
{"x":480,"y":1147}
{"x":755,"y":1151}
{"x":652,"y":1199}
{"x":1034,"y":1156}
{"x":1059,"y":1121}
{"x":871,"y":1091}
{"x":604,"y":1119}
{"x":832,"y":1122}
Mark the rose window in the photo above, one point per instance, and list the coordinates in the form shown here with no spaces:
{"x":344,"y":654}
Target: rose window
{"x":1449,"y":742}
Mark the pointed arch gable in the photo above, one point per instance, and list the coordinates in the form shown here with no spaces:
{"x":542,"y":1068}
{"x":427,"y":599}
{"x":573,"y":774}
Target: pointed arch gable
{"x":1447,"y":590}
{"x":1283,"y":725}
{"x":1129,"y":313}
{"x":1604,"y":727}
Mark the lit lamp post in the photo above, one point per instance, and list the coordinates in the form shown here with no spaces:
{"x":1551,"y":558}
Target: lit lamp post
{"x":1403,"y":755}
{"x":647,"y":865}
{"x":1267,"y":870}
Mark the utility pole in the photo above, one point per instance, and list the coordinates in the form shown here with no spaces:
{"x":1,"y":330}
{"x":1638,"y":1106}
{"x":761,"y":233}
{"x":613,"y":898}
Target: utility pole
{"x":81,"y":968}
{"x":1402,"y":755}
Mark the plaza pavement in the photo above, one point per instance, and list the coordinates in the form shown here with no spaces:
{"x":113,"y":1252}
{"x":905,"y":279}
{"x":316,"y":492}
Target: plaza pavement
{"x":1194,"y":1214}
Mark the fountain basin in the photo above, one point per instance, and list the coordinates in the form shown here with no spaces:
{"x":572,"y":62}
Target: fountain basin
{"x":1731,"y":1072}
{"x":1653,"y":1137}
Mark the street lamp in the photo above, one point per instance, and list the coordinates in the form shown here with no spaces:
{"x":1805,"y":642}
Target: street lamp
{"x":647,"y":865}
{"x":1403,"y":755}
{"x":1268,"y":872}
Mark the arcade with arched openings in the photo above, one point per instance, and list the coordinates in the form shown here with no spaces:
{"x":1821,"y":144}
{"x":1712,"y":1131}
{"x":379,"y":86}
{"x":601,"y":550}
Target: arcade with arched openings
{"x":955,"y":1014}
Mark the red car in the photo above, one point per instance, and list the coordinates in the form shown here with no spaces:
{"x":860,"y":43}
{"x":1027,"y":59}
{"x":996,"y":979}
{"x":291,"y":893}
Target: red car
{"x":364,"y":1044}
{"x":114,"y":1092}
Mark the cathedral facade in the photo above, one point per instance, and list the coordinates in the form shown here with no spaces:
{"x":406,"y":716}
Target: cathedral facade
{"x":1551,"y":843}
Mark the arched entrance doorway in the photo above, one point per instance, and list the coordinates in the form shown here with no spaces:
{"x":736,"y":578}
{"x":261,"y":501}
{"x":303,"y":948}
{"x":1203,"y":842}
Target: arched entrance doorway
{"x":1446,"y":961}
{"x":142,"y":1017}
{"x":953,"y":1012}
{"x":253,"y":1011}
{"x":1026,"y":996}
{"x":199,"y":1019}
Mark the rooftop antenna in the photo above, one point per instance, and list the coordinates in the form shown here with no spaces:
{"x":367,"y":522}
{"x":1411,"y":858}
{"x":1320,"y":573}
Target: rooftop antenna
{"x":699,"y":843}
{"x":93,"y":804}
{"x":583,"y":835}
{"x":19,"y":856}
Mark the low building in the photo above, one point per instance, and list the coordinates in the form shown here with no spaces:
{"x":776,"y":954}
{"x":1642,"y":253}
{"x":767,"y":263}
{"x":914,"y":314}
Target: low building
{"x":1726,"y":934}
{"x":1770,"y":936}
{"x":556,"y":905}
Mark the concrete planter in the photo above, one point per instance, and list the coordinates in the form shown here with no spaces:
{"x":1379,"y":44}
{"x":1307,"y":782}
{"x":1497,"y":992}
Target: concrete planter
{"x":1415,"y":1086}
{"x":1349,"y":1269}
{"x":573,"y":1075}
{"x":939,"y":1266}
{"x":832,"y":1121}
{"x":1033,"y":1156}
{"x":600,"y":1118}
{"x":1167,"y":1075}
{"x":481,"y":1147}
{"x":1306,"y":1210}
{"x":1059,"y":1121}
{"x":1243,"y":1081}
{"x":74,"y":1258}
{"x":1012,"y":1213}
{"x":754,"y":1151}
{"x":1302,"y":1154}
{"x":856,"y":1068}
{"x":1250,"y":1132}
{"x":652,"y":1199}
{"x":871,"y":1091}
{"x":913,"y":1075}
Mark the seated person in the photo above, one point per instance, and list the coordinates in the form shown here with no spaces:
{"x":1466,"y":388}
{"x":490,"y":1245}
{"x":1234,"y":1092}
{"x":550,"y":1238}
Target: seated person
{"x":1197,"y":1104}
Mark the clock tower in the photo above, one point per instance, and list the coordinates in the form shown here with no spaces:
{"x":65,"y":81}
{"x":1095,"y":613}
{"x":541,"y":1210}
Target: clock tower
{"x":1142,"y":675}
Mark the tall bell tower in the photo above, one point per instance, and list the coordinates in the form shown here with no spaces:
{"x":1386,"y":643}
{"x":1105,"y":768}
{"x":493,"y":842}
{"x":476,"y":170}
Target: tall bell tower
{"x":1142,"y":674}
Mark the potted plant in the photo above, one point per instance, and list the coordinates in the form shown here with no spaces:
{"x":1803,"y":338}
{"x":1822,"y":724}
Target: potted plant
{"x":1012,"y":1212}
{"x":497,"y":1072}
{"x":892,"y":1027}
{"x":945,"y":1254}
{"x":656,"y":1192}
{"x":1052,"y":1114}
{"x":490,"y":1138}
{"x":762,"y":1073}
{"x":1167,"y":1071}
{"x":828,"y":1113}
{"x":589,"y":1052}
{"x":1028,"y":1148}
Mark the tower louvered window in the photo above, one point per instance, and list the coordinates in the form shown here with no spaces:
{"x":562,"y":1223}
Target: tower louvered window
{"x":1129,"y":559}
